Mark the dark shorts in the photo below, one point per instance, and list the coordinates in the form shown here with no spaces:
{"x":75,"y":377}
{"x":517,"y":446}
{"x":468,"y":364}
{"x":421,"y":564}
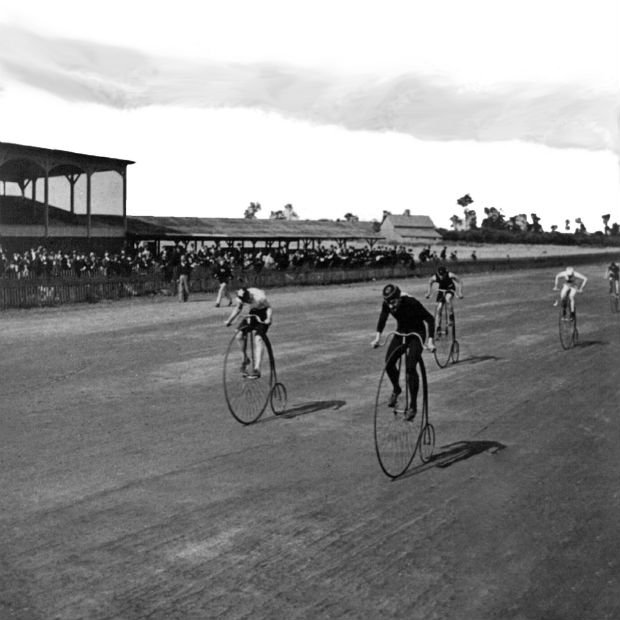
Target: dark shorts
{"x":257,"y":326}
{"x":441,"y":296}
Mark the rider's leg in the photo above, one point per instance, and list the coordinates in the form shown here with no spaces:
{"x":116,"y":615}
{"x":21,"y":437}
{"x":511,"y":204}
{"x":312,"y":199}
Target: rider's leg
{"x":413,"y":379}
{"x":258,"y":351}
{"x":571,"y":297}
{"x":242,"y":341}
{"x":392,"y":370}
{"x":449,"y":298}
{"x":563,"y":300}
{"x":438,"y":311}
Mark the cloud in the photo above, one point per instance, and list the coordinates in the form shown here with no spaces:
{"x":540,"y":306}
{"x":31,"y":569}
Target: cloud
{"x":427,"y":107}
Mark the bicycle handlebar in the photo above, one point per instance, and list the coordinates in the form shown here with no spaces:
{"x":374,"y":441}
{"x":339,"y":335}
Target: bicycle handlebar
{"x":403,"y":336}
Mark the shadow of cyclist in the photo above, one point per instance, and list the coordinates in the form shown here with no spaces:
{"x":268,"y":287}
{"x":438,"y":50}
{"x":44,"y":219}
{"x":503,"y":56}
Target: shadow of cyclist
{"x":309,"y":407}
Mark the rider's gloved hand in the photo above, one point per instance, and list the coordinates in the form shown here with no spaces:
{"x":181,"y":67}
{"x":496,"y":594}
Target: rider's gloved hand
{"x":430,"y":345}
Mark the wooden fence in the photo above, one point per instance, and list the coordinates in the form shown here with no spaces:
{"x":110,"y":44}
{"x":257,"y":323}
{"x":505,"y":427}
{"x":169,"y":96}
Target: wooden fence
{"x":34,"y":292}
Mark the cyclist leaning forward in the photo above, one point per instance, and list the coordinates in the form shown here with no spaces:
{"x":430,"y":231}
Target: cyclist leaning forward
{"x":261,"y":309}
{"x":446,"y":283}
{"x":613,"y":275}
{"x":411,"y":316}
{"x":569,"y":287}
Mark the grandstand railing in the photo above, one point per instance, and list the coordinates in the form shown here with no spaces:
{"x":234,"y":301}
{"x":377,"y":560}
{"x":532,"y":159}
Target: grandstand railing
{"x":49,"y":291}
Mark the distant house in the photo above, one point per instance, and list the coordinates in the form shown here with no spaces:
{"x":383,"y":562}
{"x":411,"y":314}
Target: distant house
{"x":409,"y":229}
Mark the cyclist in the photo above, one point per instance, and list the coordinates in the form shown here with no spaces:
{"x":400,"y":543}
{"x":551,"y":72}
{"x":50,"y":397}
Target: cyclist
{"x":410,"y":316}
{"x":570,"y":287}
{"x":447,"y":283}
{"x":260,"y":308}
{"x":613,"y":275}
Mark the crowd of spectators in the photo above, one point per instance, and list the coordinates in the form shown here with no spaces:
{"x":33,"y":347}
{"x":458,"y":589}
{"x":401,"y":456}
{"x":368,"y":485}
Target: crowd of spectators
{"x":42,"y":262}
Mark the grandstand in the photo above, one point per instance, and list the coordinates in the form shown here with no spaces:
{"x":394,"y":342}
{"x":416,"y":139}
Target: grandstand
{"x":50,"y":197}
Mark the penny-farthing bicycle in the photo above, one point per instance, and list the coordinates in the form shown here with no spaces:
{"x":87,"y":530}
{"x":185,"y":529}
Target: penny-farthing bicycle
{"x":447,"y":348}
{"x":247,"y":393}
{"x":398,"y":433}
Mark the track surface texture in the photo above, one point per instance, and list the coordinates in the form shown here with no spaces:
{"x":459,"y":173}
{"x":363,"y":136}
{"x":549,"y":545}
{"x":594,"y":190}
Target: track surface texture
{"x":130,"y":492}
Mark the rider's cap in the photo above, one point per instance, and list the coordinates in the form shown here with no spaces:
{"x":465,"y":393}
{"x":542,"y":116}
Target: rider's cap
{"x":442,"y":270}
{"x":391,"y":292}
{"x":570,"y":271}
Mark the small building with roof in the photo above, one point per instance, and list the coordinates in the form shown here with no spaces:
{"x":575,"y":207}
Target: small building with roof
{"x":409,"y":230}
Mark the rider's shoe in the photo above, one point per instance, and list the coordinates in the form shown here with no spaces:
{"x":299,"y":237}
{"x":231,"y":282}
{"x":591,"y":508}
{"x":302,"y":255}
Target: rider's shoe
{"x":393,"y":399}
{"x":410,"y":413}
{"x":244,"y":365}
{"x":255,"y":374}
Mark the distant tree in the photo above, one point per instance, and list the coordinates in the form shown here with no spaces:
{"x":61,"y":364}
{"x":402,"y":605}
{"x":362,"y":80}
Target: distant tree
{"x":289,"y":213}
{"x":494,"y":219}
{"x":517,"y":222}
{"x":464,"y":201}
{"x":277,"y":215}
{"x":457,"y":222}
{"x":566,"y":224}
{"x":581,"y":228}
{"x":554,"y":228}
{"x":471,"y":219}
{"x":615,"y":229}
{"x":535,"y":225}
{"x":376,"y":226}
{"x":349,"y":217}
{"x":406,"y":212}
{"x":606,"y":223}
{"x":252,"y":210}
{"x":385,"y":214}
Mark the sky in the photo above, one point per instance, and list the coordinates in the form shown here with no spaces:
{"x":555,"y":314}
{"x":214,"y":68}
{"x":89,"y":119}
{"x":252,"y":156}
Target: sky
{"x":333,"y":106}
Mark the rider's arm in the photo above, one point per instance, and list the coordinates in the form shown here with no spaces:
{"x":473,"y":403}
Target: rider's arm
{"x":430,"y":286}
{"x":234,"y":314}
{"x":584,"y":280}
{"x":459,"y":283}
{"x":557,"y":278}
{"x":269,"y":313}
{"x":381,"y":324}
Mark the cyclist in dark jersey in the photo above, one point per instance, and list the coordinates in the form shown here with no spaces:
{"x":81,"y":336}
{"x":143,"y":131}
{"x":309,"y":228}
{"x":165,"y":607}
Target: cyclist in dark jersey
{"x":447,"y":283}
{"x":411,"y":316}
{"x":613,"y":275}
{"x":570,"y":286}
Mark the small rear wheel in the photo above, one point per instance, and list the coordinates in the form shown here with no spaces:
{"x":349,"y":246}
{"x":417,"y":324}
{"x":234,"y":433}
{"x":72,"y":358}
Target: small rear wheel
{"x":278,"y":398}
{"x":613,"y":301}
{"x":427,"y":442}
{"x":456,"y":351}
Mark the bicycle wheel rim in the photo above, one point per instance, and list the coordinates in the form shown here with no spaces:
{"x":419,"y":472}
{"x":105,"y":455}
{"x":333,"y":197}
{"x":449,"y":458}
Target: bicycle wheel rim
{"x":246,"y":398}
{"x":567,"y":329}
{"x":443,"y":339}
{"x":395,"y":438}
{"x":278,"y":398}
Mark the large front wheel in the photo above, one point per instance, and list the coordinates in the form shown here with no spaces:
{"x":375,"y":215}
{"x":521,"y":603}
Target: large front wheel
{"x":568,"y":329}
{"x":443,"y":338}
{"x":247,"y":395}
{"x":397,"y":429}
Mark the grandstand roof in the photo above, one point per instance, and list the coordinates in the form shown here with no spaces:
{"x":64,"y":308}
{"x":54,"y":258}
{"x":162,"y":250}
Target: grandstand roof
{"x":152,"y":227}
{"x":20,"y":162}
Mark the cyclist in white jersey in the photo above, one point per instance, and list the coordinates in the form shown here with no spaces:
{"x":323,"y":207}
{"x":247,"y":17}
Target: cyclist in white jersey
{"x":261,"y":309}
{"x":570,"y":286}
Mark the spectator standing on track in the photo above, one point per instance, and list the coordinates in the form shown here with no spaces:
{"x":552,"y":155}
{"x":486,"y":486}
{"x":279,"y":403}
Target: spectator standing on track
{"x":185,"y":270}
{"x":411,"y":316}
{"x":223,"y":274}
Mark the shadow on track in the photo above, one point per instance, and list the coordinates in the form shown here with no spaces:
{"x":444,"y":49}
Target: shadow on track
{"x":453,"y":453}
{"x":476,"y":359}
{"x":590,"y":343}
{"x":305,"y":408}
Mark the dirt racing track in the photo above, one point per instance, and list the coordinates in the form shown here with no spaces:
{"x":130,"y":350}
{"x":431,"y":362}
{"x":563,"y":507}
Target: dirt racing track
{"x":130,"y":492}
